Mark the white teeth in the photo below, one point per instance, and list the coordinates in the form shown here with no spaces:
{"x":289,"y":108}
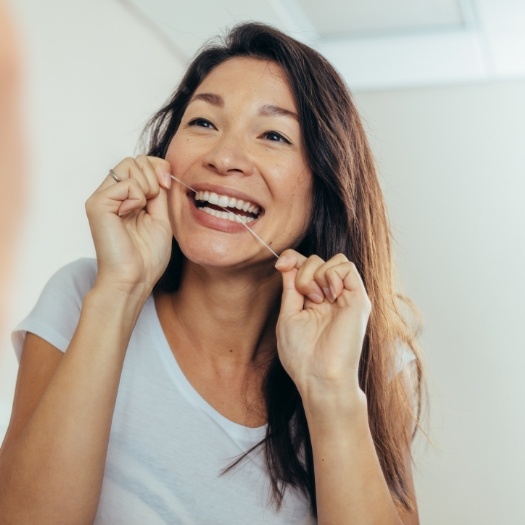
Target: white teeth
{"x":229,"y":215}
{"x":223,"y":201}
{"x":227,"y":202}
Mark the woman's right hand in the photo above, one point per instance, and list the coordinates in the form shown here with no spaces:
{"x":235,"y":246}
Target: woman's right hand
{"x":130,"y":225}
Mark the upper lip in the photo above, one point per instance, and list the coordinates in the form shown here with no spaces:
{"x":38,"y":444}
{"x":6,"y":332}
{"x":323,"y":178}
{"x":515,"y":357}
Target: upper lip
{"x":228,"y":192}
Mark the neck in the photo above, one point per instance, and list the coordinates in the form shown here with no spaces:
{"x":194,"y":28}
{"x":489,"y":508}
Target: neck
{"x":228,"y":316}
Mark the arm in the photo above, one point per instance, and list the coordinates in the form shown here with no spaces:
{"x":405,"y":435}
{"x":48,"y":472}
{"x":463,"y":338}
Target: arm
{"x":349,"y":479}
{"x":321,"y":328}
{"x":57,"y":441}
{"x":55,"y":449}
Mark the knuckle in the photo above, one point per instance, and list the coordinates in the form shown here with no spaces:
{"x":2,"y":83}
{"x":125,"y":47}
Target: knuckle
{"x":305,"y":284}
{"x":321,"y":274}
{"x":143,"y":164}
{"x":331,"y":272}
{"x":352,"y":268}
{"x":315,"y":259}
{"x":340,"y":258}
{"x":134,"y":183}
{"x":288,"y":252}
{"x":126,"y":161}
{"x":159,"y":163}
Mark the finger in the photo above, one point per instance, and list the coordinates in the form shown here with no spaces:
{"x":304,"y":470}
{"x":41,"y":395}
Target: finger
{"x":292,"y":301}
{"x":137,"y":169}
{"x":132,"y":195}
{"x":331,"y":292}
{"x":150,"y":176}
{"x":289,"y":259}
{"x":305,"y":281}
{"x":111,"y":179}
{"x":156,"y":172}
{"x":145,"y":172}
{"x":163,"y":171}
{"x":121,"y":172}
{"x":306,"y":267}
{"x":157,"y":207}
{"x":345,"y":277}
{"x":118,"y":199}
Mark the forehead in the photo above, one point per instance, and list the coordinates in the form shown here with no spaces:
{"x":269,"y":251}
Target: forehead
{"x":249,"y":76}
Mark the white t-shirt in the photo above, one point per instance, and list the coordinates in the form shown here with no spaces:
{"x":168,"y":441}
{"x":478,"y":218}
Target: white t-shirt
{"x":167,"y":446}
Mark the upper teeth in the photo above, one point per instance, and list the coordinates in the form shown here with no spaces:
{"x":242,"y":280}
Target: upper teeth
{"x":227,"y":202}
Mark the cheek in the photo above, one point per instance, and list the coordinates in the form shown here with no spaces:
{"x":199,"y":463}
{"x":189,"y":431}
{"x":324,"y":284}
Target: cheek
{"x":298,"y":198}
{"x":301,"y":190}
{"x":177,"y":155}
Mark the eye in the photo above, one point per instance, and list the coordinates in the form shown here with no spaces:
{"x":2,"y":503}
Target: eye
{"x":275,"y":137}
{"x":201,"y":123}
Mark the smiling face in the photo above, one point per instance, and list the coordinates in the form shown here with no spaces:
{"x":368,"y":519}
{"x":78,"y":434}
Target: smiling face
{"x":239,"y":145}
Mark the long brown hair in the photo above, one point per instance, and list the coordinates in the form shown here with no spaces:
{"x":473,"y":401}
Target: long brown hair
{"x":348,"y":217}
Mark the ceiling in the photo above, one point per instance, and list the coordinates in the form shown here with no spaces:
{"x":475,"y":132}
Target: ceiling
{"x":377,"y":44}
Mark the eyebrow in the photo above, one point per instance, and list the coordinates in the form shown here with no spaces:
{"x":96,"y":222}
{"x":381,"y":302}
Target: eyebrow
{"x":211,"y":98}
{"x":267,"y":110}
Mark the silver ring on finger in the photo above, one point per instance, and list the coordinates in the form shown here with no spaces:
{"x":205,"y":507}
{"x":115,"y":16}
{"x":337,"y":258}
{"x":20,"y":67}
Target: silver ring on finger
{"x":114,"y":175}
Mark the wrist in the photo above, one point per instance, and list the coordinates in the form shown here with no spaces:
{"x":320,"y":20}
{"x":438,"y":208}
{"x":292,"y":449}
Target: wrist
{"x":328,"y":401}
{"x":121,"y":291}
{"x":116,"y":303}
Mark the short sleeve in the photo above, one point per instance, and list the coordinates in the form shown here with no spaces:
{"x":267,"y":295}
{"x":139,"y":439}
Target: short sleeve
{"x":404,"y":356}
{"x":57,"y":311}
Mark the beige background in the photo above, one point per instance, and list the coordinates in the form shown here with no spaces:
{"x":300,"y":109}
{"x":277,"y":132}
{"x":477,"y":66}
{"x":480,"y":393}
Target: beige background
{"x":452,"y":162}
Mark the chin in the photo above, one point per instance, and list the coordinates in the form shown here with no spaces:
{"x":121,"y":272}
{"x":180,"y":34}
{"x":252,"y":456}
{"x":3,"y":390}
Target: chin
{"x":213,"y":254}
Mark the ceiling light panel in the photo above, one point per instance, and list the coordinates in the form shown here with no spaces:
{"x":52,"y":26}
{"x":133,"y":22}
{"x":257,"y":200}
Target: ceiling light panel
{"x":341,"y":18}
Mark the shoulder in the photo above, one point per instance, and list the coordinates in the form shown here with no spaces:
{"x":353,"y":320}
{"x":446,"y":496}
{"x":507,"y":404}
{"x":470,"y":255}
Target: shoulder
{"x":404,"y":356}
{"x":79,"y":276}
{"x":57,"y":311}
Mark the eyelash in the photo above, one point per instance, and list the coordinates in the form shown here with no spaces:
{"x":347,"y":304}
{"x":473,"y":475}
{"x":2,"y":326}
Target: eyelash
{"x":199,"y":121}
{"x":204,"y":123}
{"x":280,"y":137}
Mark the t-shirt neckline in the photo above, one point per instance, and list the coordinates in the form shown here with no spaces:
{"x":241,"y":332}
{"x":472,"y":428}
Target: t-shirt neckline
{"x":236,"y":430}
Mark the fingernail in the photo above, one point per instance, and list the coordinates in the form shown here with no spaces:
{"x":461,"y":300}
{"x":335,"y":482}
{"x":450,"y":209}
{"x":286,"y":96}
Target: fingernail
{"x":282,"y":261}
{"x":329,"y":294}
{"x":316,"y":297}
{"x":167,"y":180}
{"x":332,"y":291}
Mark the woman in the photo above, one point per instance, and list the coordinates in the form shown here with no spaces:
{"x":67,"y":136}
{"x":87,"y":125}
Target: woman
{"x":243,"y":389}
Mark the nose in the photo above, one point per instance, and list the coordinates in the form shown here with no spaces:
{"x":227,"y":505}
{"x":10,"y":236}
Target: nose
{"x":229,"y":155}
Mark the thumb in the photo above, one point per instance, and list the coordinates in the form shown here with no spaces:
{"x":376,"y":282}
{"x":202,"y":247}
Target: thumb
{"x":292,"y":301}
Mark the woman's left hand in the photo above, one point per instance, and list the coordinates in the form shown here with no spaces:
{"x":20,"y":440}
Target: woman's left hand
{"x":322,"y":323}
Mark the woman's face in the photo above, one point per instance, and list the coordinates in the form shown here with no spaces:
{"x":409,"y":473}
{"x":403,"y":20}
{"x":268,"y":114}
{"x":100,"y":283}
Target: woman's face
{"x":239,"y":145}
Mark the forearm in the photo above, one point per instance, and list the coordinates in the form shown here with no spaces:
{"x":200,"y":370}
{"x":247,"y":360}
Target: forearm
{"x":57,"y":461}
{"x":350,"y":486}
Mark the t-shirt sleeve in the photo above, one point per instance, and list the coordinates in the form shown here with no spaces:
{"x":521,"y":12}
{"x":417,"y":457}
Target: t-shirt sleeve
{"x":404,"y":357}
{"x":57,"y":311}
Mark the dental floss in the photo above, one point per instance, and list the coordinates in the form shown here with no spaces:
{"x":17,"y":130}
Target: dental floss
{"x":240,"y":222}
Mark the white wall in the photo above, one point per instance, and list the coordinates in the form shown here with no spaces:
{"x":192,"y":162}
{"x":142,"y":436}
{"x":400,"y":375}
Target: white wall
{"x":452,"y":161}
{"x":94,"y":77}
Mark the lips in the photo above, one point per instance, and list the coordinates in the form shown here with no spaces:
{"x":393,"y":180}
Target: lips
{"x":226,"y":207}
